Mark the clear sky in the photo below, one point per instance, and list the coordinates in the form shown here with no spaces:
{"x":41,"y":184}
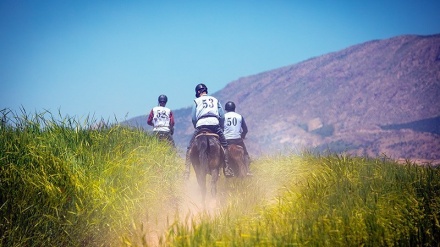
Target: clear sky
{"x":114,"y":58}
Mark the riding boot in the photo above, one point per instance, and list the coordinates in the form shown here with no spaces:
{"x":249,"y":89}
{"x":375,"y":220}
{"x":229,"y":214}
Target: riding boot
{"x":227,"y":170}
{"x":187,"y":165}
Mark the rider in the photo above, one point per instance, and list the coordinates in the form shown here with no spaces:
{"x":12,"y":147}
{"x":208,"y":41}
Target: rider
{"x":207,"y":113}
{"x":162,"y":120}
{"x":235,"y":130}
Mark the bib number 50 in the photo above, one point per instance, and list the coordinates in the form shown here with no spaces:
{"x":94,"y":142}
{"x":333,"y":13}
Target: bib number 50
{"x":231,"y":121}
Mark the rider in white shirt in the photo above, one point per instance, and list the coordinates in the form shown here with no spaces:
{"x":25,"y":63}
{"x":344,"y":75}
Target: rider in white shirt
{"x":235,"y":130}
{"x":162,"y":120}
{"x":207,"y":113}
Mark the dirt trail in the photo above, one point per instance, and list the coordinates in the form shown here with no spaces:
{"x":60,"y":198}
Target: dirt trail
{"x":188,"y":210}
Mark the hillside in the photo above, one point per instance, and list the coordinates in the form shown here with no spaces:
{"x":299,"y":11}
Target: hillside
{"x":379,"y":97}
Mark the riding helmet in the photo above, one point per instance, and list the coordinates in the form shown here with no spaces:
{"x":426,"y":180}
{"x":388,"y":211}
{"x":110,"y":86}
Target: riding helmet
{"x":162,"y":99}
{"x":200,"y":88}
{"x":230,"y":106}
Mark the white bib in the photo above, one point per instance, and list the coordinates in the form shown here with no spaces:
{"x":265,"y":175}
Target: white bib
{"x":233,"y":128}
{"x":161,"y":118}
{"x":206,"y":110}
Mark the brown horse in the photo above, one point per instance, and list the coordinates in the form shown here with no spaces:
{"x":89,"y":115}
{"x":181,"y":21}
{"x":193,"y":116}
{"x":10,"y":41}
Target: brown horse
{"x":207,"y":157}
{"x":165,"y":136}
{"x":236,"y":160}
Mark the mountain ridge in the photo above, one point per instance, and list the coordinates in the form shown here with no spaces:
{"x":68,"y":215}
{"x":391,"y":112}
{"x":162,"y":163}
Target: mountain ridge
{"x":340,"y":102}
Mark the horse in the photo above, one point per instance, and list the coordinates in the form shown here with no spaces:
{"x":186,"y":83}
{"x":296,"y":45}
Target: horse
{"x":236,"y":160}
{"x":207,"y":157}
{"x":165,"y":136}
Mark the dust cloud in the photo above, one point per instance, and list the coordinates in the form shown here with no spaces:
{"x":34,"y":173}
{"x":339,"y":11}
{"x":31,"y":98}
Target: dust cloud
{"x":189,"y":208}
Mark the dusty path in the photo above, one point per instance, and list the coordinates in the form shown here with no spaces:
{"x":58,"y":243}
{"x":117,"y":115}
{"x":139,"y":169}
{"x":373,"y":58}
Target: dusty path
{"x":188,"y":210}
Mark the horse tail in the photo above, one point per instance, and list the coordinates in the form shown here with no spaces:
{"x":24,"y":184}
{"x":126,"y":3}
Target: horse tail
{"x":203,"y":150}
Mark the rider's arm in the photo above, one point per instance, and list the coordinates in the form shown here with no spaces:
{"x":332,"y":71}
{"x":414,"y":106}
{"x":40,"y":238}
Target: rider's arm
{"x":171,"y":119}
{"x":193,"y":114}
{"x":150,"y":118}
{"x":221,"y":115}
{"x":244,"y":128}
{"x":171,"y":122}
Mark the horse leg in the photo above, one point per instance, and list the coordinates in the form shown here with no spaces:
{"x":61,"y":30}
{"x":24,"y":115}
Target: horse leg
{"x":244,"y":165}
{"x":214,"y":178}
{"x":201,"y":180}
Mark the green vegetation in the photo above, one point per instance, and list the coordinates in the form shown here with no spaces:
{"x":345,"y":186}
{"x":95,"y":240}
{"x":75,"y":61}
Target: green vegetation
{"x":324,"y":201}
{"x":66,"y":184}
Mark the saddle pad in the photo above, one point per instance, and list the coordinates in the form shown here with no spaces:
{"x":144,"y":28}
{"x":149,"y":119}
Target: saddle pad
{"x":205,"y":133}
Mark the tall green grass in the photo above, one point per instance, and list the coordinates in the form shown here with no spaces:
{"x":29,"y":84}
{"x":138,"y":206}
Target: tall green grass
{"x":310,"y":200}
{"x":66,"y":183}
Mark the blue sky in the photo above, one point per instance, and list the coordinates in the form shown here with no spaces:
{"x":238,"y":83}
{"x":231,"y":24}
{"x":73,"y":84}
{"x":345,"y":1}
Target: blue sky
{"x":114,"y":58}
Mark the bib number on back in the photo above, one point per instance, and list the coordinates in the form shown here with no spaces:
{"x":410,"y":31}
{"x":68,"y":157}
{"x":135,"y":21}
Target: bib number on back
{"x":209,"y":104}
{"x":231,"y":121}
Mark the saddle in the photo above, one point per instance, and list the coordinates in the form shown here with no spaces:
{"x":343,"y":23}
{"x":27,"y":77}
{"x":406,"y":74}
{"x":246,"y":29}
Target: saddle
{"x":237,"y":142}
{"x":206,"y":132}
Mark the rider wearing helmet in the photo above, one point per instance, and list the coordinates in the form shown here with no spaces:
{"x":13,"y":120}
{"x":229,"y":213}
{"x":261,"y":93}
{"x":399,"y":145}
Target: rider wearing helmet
{"x":207,"y":113}
{"x":162,"y":120}
{"x":235,"y":130}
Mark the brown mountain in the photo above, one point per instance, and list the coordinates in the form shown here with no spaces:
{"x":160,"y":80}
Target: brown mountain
{"x":379,"y":97}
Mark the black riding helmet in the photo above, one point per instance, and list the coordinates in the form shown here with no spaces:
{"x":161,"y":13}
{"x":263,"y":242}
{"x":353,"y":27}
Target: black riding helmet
{"x":162,"y":99}
{"x":200,"y":88}
{"x":230,"y":106}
